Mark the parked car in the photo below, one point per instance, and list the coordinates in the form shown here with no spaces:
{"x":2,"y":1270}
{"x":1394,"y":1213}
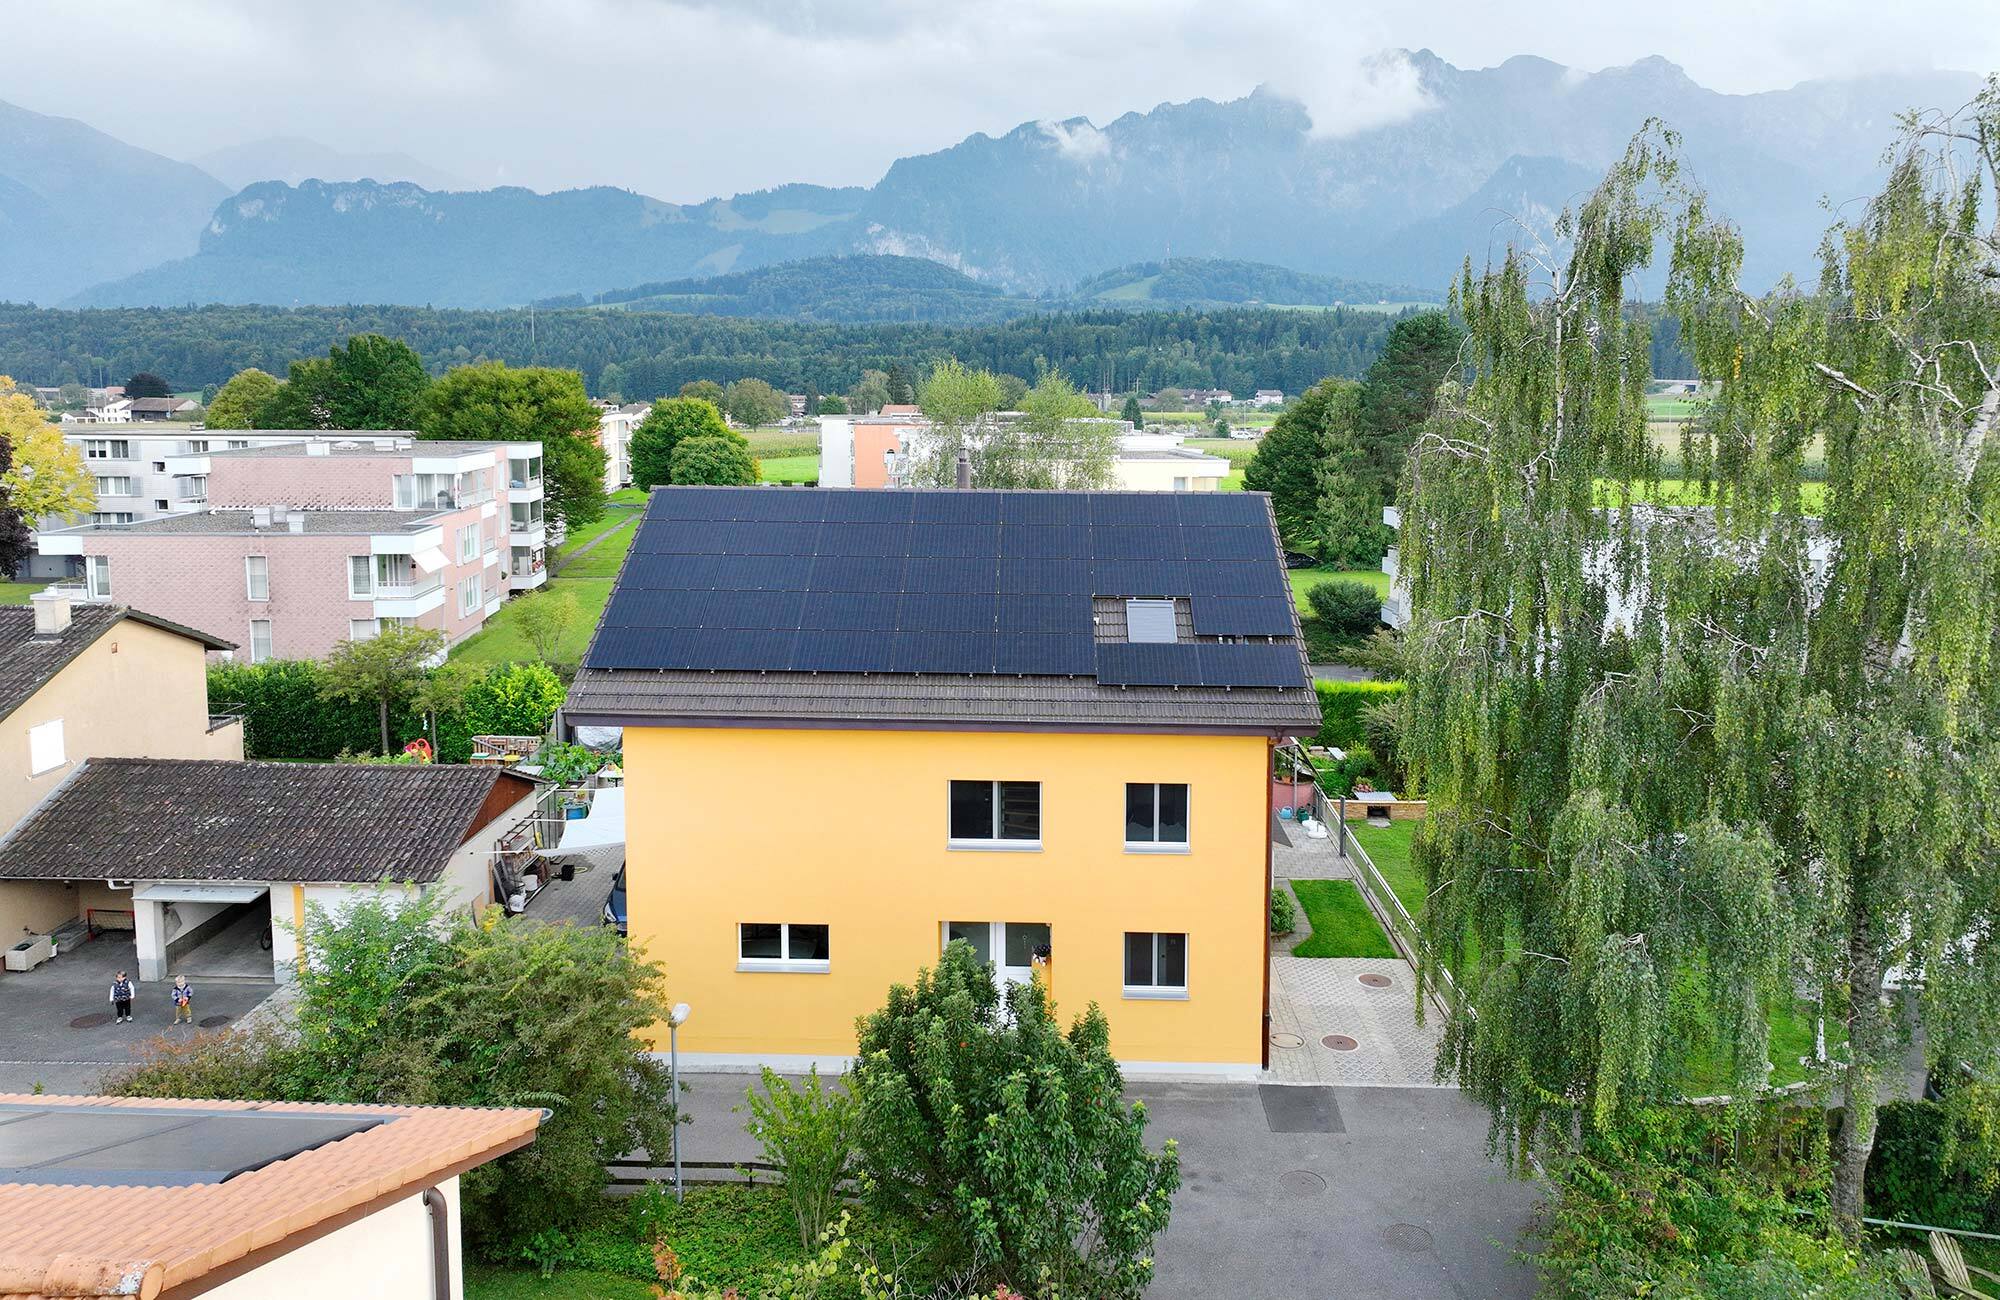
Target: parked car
{"x":614,"y":905}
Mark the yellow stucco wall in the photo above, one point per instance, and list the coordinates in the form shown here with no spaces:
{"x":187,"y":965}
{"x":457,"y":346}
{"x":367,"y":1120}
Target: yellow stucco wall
{"x":848,"y":829}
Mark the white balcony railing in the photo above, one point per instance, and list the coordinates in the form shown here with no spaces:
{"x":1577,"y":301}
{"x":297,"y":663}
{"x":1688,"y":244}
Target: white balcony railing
{"x":417,"y":584}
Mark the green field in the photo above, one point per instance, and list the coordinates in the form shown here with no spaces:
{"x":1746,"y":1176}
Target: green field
{"x":1342,"y":925}
{"x":1237,"y":453}
{"x":1304,"y":578}
{"x":1682,"y":492}
{"x":1672,"y":408}
{"x":789,"y":469}
{"x":17,"y":593}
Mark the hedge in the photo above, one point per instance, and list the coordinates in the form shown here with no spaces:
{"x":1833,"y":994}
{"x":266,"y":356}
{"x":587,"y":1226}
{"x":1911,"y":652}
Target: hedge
{"x":1938,"y":1162}
{"x":288,"y":718}
{"x":1340,"y":706}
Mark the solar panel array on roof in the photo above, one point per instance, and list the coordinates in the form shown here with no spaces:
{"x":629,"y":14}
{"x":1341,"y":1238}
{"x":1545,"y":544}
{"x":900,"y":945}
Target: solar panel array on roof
{"x":108,"y":1146}
{"x":802,"y":580}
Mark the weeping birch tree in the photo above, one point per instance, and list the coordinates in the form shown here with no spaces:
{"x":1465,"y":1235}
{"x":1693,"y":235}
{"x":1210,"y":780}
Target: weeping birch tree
{"x":1693,"y":766}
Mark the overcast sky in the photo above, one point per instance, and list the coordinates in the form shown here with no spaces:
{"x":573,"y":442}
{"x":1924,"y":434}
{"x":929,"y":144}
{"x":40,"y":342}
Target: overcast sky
{"x":685,"y":99}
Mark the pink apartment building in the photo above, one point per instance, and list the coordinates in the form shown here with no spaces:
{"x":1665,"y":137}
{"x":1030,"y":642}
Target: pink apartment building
{"x":306,"y":544}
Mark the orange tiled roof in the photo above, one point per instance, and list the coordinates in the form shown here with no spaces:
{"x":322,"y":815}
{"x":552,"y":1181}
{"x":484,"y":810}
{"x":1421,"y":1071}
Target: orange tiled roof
{"x":81,"y":1241}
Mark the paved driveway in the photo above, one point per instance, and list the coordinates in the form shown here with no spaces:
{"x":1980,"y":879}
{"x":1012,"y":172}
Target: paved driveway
{"x":39,"y":1044}
{"x":1291,"y":1191}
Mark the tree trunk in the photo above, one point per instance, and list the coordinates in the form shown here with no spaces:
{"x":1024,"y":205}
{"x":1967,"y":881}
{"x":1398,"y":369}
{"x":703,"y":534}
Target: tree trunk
{"x":382,"y":715}
{"x":1867,"y":1038}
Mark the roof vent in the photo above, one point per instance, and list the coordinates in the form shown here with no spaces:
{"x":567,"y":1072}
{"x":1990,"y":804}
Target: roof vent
{"x":319,"y":447}
{"x":260,"y":517}
{"x":296,"y":522}
{"x":278,"y":513}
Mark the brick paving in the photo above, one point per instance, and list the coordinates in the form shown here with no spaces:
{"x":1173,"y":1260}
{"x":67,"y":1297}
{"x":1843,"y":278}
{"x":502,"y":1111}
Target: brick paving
{"x":1312,"y":997}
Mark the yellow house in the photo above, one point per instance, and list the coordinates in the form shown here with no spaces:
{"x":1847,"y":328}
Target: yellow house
{"x":862,"y":724}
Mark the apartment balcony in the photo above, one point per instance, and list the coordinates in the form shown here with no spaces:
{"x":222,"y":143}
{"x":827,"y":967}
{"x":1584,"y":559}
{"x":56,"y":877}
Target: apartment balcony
{"x":534,"y":533}
{"x":528,"y":570}
{"x":1392,"y":516}
{"x":78,"y":593}
{"x":419,"y":594}
{"x":1392,"y":564}
{"x":521,"y":491}
{"x":1396,"y":607}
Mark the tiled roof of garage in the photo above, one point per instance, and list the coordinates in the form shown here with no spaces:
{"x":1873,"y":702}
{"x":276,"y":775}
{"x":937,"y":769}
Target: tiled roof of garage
{"x":205,"y":819}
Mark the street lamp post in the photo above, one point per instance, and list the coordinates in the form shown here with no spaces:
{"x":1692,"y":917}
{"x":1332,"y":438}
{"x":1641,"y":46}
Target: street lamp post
{"x":674,"y":1022}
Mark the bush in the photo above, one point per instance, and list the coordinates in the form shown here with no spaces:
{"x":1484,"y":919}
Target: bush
{"x":807,"y":1132}
{"x":289,"y":717}
{"x":1346,"y":776}
{"x":1284,"y":914}
{"x":1036,"y":1173}
{"x":1340,"y":710}
{"x":1938,"y":1162}
{"x":1347,"y":607}
{"x":402,"y":1004}
{"x":517,"y":699}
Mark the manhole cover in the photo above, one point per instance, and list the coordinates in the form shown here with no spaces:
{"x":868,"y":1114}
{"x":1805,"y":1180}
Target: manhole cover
{"x":214,"y":1022}
{"x":1301,"y":1183}
{"x":1287,"y":1040}
{"x":1407,"y":1236}
{"x":91,"y":1021}
{"x":1340,"y":1042}
{"x":1374,"y":981}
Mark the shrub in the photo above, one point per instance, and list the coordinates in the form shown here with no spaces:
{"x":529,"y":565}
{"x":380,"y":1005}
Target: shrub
{"x":288,"y":716}
{"x":1349,"y":608}
{"x":807,"y":1131}
{"x":1340,"y":706}
{"x":1008,"y":1137}
{"x":1284,"y":914}
{"x":1938,"y":1162}
{"x":517,"y":699}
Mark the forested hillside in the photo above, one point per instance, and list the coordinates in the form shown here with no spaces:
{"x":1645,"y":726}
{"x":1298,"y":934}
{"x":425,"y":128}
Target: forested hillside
{"x":856,"y":288}
{"x":655,"y":353}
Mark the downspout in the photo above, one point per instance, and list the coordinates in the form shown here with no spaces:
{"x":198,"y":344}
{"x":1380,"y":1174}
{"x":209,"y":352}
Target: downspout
{"x":1264,"y":903}
{"x":440,"y":1217}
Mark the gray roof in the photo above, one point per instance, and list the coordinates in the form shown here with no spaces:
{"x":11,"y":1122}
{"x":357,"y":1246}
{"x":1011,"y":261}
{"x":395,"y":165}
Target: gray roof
{"x":212,"y":819}
{"x":845,"y":608}
{"x":242,"y":523}
{"x":341,"y":443}
{"x":29,"y":662}
{"x":927,"y":701}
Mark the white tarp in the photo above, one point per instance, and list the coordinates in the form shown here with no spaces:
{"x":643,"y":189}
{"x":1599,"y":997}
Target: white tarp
{"x":598,"y":838}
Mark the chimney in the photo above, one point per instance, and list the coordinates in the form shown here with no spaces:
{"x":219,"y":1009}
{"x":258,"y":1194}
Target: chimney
{"x":278,"y":514}
{"x":260,"y":516}
{"x":964,"y":468}
{"x":319,"y":447}
{"x":51,"y":613}
{"x":296,"y":522}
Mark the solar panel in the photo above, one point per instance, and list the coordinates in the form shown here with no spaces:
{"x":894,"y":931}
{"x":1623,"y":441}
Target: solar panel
{"x":1242,"y":616}
{"x":1119,"y":664}
{"x":164,"y":1146}
{"x":1251,"y":665}
{"x":1051,"y":654}
{"x":941,"y":581}
{"x":1225,"y":543}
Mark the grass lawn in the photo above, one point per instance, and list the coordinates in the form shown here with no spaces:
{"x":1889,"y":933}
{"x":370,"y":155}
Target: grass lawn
{"x":769,"y":441}
{"x":1342,"y":925}
{"x":494,"y":1282}
{"x":1304,"y":578}
{"x":1231,"y":482}
{"x":613,"y":518}
{"x":17,"y":593}
{"x":630,"y":496}
{"x":1682,"y":492}
{"x":1388,"y":847}
{"x":1671,"y":408}
{"x":789,"y":469}
{"x":603,"y":559}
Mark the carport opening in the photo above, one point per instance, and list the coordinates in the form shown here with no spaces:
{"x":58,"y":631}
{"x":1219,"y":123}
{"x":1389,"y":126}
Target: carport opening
{"x":211,"y":931}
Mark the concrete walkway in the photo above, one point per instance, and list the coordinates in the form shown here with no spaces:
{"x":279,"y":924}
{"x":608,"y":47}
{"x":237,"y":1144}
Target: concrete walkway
{"x":1341,"y":1020}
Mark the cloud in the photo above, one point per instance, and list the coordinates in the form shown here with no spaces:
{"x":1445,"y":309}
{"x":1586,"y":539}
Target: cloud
{"x":1077,"y":141}
{"x":687,"y":99}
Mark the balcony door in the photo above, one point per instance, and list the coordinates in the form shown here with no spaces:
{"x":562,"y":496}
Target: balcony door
{"x":1008,"y":946}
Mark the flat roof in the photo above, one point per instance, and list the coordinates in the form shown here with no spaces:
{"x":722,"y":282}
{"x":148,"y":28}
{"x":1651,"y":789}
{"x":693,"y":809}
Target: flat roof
{"x":114,"y":1196}
{"x":346,"y":445}
{"x":233,"y":523}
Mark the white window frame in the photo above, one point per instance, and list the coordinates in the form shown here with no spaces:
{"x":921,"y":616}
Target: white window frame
{"x":269,"y":643}
{"x":97,"y":576}
{"x":46,"y":752}
{"x":256,"y":575}
{"x":363,"y":629}
{"x":1157,"y":845}
{"x":107,"y":518}
{"x":1153,"y":609}
{"x":994,"y":844}
{"x":1154,"y":992}
{"x":784,"y":964}
{"x":468,"y":543}
{"x":361,"y":593}
{"x":469,"y":587}
{"x":114,"y":485}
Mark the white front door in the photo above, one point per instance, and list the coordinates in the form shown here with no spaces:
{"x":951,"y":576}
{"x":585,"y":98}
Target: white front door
{"x":1008,"y":946}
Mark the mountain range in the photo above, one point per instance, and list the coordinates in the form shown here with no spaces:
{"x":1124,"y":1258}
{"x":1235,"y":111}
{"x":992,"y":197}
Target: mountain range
{"x":294,"y":159}
{"x":1036,"y":212}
